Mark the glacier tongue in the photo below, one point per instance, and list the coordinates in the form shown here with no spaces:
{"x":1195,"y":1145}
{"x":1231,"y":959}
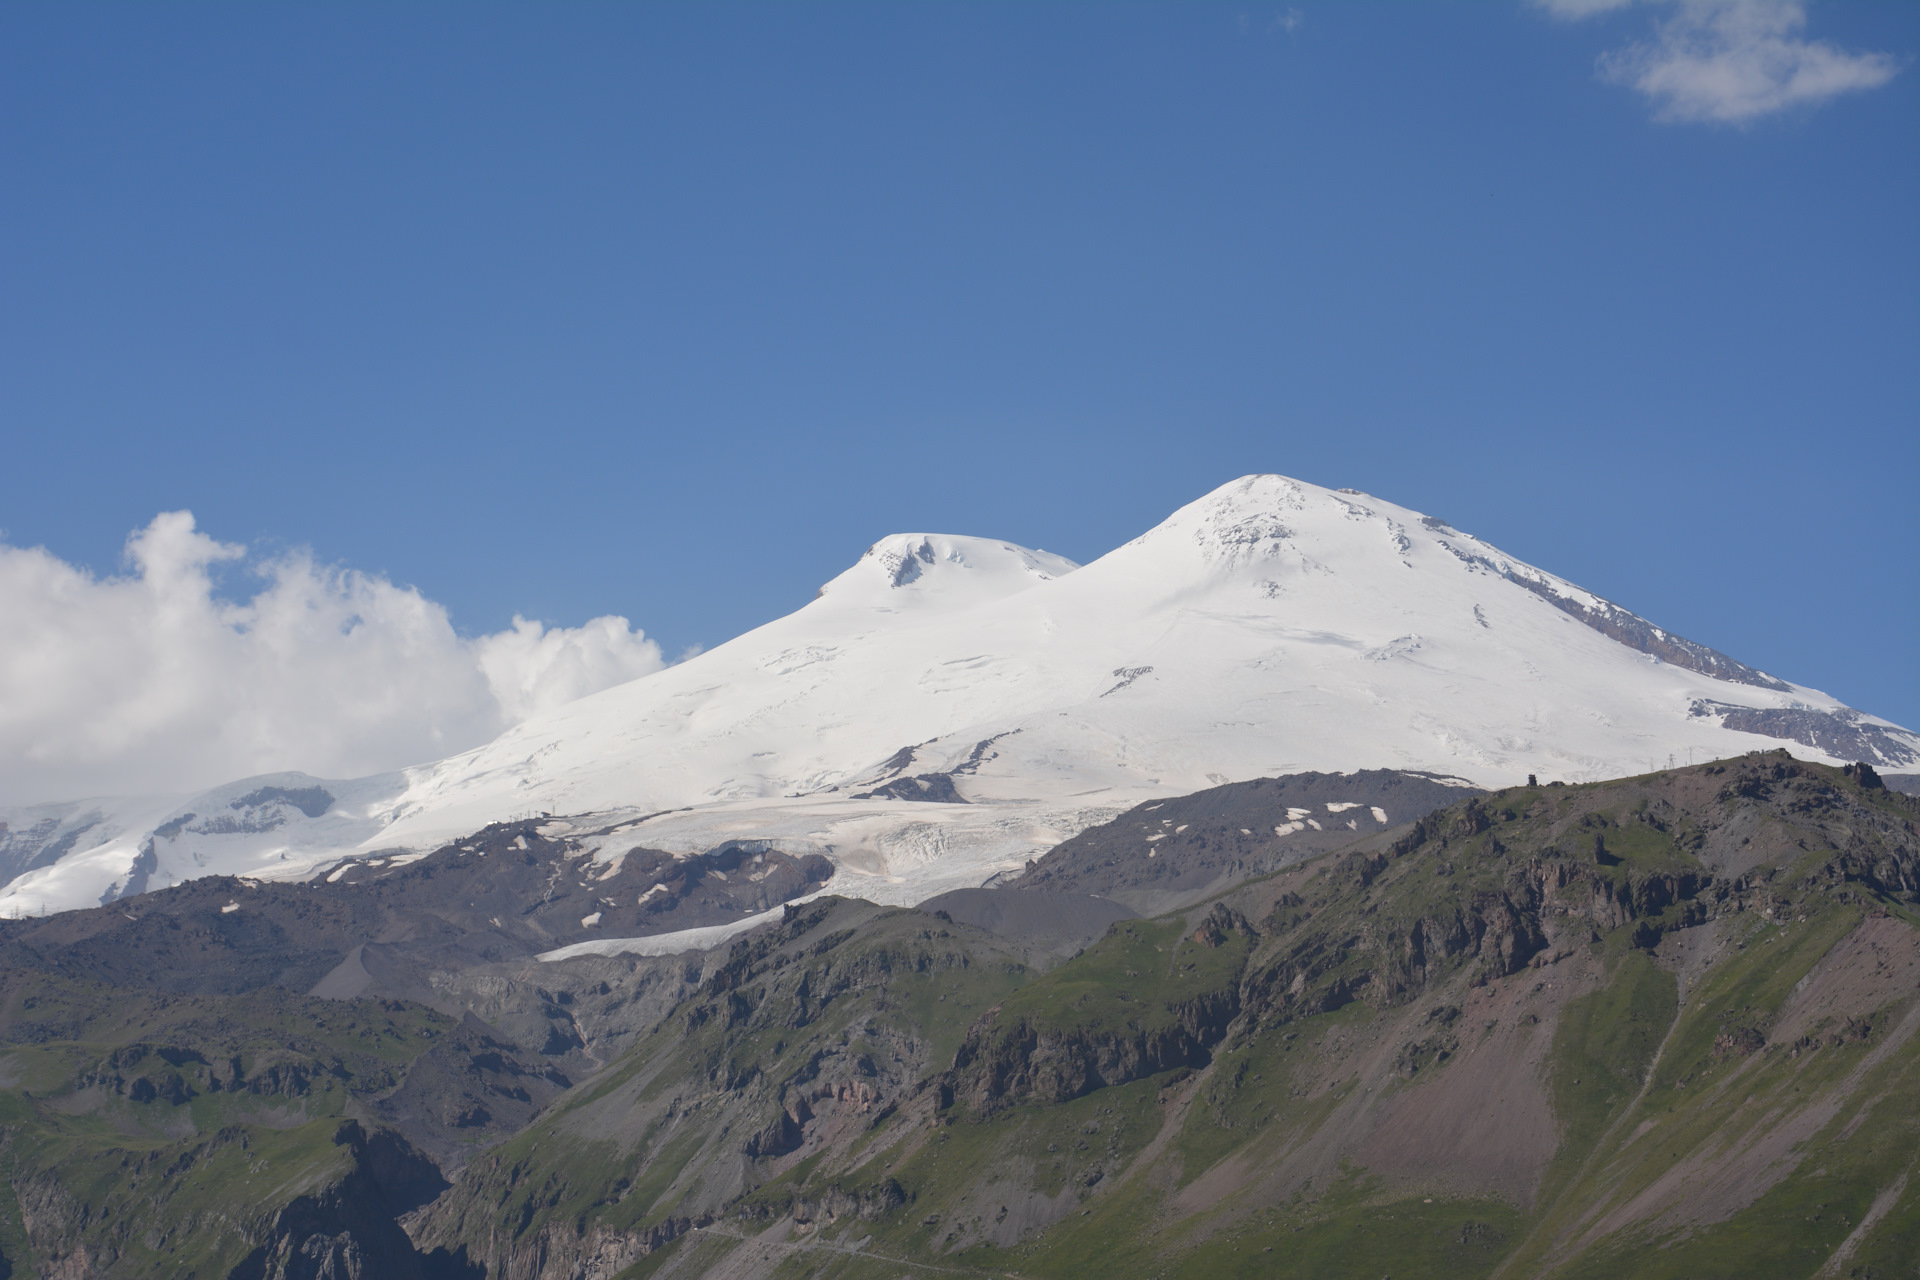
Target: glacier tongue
{"x":949,"y":706}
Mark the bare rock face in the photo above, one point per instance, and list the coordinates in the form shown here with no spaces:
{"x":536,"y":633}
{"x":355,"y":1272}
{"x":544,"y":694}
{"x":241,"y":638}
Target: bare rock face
{"x":381,"y":928}
{"x":1163,"y":854}
{"x":1842,"y":733}
{"x":55,"y":1224}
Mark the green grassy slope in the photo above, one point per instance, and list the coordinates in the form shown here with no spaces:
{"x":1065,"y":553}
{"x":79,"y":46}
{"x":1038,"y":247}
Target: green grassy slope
{"x":1663,"y":1026}
{"x":145,"y":1135}
{"x":1656,"y":1027}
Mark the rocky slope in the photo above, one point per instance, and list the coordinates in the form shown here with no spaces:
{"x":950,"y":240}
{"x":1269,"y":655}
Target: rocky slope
{"x":1173,"y":852}
{"x":509,"y":890}
{"x":1656,"y":1027}
{"x":172,"y":1102}
{"x":146,"y":1135}
{"x":1659,"y":1026}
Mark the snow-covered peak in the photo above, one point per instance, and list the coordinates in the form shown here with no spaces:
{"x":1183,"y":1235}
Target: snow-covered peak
{"x":1244,"y":521}
{"x":1342,"y":555}
{"x":942,"y":571}
{"x":104,"y":849}
{"x":1260,"y":520}
{"x":950,"y":706}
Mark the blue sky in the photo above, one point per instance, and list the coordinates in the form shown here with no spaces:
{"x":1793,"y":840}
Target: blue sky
{"x":669,"y":311}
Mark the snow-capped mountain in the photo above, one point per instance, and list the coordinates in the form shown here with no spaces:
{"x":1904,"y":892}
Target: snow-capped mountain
{"x":950,"y":705}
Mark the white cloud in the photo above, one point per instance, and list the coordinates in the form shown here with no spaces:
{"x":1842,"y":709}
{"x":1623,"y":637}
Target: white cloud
{"x":530,"y":668}
{"x":1731,"y":61}
{"x":149,"y":682}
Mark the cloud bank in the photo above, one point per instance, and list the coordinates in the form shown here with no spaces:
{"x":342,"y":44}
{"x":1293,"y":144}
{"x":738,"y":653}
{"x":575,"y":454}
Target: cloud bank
{"x":150,"y":682}
{"x":1731,"y":61}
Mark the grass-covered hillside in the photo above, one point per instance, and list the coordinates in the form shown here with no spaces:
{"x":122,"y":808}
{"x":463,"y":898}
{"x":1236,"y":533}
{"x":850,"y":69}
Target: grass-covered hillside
{"x":1662,"y":1026}
{"x":165,"y":1135}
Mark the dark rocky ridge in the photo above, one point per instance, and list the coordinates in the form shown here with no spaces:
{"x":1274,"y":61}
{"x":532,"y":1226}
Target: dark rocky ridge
{"x":930,"y":788}
{"x":40,"y":845}
{"x":349,"y":1228}
{"x":1837,"y":733}
{"x":891,"y":781}
{"x":1619,"y":624}
{"x":376,"y":926}
{"x":1160,"y":854}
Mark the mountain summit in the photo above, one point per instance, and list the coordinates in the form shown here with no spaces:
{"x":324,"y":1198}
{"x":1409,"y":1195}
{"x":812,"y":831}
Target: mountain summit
{"x":948,"y":706}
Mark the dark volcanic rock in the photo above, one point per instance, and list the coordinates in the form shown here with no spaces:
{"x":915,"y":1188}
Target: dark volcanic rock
{"x":348,"y":1229}
{"x":893,"y":783}
{"x":379,"y":926}
{"x":935,"y":788}
{"x":470,"y":1084}
{"x":1841,"y":733}
{"x":1156,"y":854}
